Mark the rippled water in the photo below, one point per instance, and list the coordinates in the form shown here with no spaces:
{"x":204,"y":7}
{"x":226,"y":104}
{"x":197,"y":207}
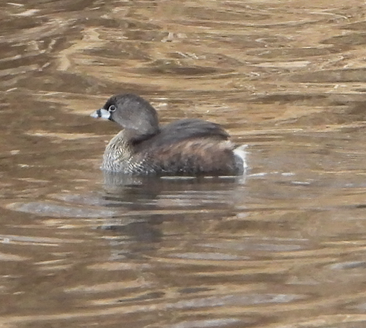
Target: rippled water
{"x":283,"y":246}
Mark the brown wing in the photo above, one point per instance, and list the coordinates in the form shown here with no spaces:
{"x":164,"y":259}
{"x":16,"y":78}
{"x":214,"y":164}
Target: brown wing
{"x":189,"y":146}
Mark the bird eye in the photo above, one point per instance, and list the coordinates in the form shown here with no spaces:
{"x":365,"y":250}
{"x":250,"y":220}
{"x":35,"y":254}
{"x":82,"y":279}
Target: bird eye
{"x":111,"y":108}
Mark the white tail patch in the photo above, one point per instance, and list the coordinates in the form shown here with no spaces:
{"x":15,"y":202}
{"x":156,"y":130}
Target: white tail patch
{"x":241,"y":153}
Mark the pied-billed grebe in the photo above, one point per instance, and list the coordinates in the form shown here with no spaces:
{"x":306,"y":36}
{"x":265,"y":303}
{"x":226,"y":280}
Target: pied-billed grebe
{"x":184,"y":147}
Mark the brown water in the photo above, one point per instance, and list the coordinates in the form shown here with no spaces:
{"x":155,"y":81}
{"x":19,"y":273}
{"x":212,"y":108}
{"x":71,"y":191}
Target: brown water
{"x":283,"y":246}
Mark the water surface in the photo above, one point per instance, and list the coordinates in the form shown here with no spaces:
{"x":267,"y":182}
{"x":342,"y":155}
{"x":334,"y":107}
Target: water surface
{"x":282,"y":246}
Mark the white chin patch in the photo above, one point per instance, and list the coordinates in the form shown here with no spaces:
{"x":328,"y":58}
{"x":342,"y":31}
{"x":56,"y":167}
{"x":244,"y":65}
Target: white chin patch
{"x":105,"y":114}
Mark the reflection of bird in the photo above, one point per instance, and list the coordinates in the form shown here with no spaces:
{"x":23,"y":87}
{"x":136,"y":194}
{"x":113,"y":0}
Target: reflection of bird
{"x":184,"y":147}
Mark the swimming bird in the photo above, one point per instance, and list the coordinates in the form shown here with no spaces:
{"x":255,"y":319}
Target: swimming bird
{"x":184,"y":147}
